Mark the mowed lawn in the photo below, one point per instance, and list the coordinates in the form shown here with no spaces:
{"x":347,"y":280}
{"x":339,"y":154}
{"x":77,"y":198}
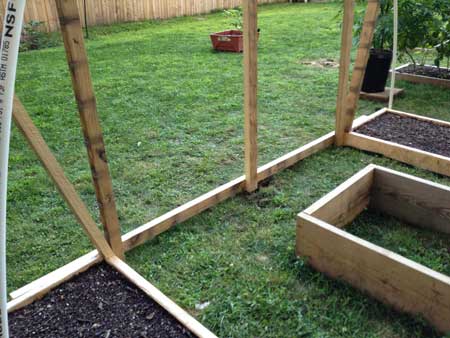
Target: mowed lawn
{"x":171,"y":112}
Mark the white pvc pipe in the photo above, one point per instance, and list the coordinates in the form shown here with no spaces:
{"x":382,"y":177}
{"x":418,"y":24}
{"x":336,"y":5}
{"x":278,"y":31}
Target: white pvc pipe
{"x":394,"y":55}
{"x":9,"y":50}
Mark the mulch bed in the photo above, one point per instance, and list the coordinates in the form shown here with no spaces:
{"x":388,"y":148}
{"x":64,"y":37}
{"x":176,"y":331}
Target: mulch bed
{"x":97,"y":303}
{"x":410,"y":132}
{"x":442,"y":73}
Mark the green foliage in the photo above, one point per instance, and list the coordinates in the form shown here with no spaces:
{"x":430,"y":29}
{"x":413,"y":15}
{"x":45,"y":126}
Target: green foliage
{"x":235,"y":17}
{"x":423,"y":24}
{"x":171,"y":113}
{"x":441,"y":33}
{"x":33,"y":37}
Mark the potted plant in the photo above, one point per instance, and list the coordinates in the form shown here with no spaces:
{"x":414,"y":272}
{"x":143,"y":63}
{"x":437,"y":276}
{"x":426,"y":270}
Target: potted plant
{"x":380,"y":57}
{"x":422,"y":24}
{"x":230,"y":40}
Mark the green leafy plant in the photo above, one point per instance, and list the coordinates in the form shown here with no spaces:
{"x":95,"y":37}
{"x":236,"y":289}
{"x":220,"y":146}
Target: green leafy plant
{"x":34,"y":37}
{"x":235,"y":16}
{"x":441,"y":33}
{"x":423,"y":24}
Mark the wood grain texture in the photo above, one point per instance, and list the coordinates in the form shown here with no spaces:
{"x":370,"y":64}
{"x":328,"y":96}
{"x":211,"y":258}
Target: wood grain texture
{"x":344,"y":68}
{"x":153,"y":228}
{"x":40,"y":287}
{"x":416,"y":201}
{"x":359,"y":69}
{"x":84,"y":93}
{"x":421,"y":79}
{"x":250,"y":17}
{"x":56,"y":173}
{"x":101,"y":12}
{"x":176,"y":311}
{"x":387,"y":276}
{"x":347,"y":201}
{"x":419,"y":158}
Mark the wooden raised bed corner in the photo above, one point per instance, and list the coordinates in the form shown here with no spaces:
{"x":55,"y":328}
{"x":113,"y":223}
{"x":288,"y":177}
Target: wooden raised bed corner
{"x":387,"y":276}
{"x":422,"y":158}
{"x":414,"y":78}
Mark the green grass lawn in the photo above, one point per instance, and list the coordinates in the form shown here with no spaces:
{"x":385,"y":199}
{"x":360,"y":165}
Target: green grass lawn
{"x":171,"y":112}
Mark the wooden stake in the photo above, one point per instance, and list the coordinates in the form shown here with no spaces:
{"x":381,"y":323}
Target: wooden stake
{"x":344,"y":68}
{"x":250,"y":93}
{"x":84,"y":93}
{"x":150,"y":230}
{"x":56,"y":173}
{"x":365,"y":43}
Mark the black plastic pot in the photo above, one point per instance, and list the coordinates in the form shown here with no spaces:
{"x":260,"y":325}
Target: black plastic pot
{"x":377,"y":71}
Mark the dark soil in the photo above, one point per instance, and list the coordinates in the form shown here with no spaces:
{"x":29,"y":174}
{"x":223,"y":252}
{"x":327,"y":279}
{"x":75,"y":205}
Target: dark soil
{"x":442,"y":73}
{"x":97,"y":303}
{"x":410,"y":132}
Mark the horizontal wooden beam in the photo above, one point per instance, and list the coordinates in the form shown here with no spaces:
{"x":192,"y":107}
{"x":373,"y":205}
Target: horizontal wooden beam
{"x":414,"y":200}
{"x":416,"y":157}
{"x":140,"y":235}
{"x":170,"y":306}
{"x":387,"y":276}
{"x":40,"y":287}
{"x":342,"y":205}
{"x":37,"y":143}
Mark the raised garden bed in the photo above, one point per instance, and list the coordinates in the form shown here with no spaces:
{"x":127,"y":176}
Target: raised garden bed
{"x":424,"y":74}
{"x":97,"y":303}
{"x":104,"y":301}
{"x":387,"y":276}
{"x":413,"y":139}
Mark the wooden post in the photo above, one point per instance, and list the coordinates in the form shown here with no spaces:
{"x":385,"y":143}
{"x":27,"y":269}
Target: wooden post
{"x":84,"y":93}
{"x":344,"y":68}
{"x":362,"y":56}
{"x":250,"y":10}
{"x":56,"y":173}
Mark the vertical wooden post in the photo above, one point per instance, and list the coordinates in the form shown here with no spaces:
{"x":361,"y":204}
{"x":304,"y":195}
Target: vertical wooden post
{"x":72,"y":34}
{"x":56,"y":173}
{"x":250,"y":10}
{"x":344,"y":68}
{"x":362,"y":56}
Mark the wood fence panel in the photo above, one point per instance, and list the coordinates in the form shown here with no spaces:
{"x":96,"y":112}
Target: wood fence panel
{"x":102,"y":12}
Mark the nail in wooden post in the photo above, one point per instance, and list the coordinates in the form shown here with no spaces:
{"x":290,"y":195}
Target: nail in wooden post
{"x":344,"y":68}
{"x":84,"y":93}
{"x":250,"y":10}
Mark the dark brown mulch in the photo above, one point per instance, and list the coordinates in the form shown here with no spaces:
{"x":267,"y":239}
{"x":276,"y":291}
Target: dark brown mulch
{"x":97,"y":303}
{"x":442,"y":73}
{"x":410,"y":132}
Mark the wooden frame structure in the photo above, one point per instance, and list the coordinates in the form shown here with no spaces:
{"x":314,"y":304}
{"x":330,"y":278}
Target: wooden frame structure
{"x":421,"y":78}
{"x":389,"y":277}
{"x":348,"y":98}
{"x":112,"y":245}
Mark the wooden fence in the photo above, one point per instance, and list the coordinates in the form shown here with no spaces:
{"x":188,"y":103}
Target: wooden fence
{"x":103,"y":12}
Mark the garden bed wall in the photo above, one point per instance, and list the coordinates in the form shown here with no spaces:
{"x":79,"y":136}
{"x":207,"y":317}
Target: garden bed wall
{"x":103,"y":12}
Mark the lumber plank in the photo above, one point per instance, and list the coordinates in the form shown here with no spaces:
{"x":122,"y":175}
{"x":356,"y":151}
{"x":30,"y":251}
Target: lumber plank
{"x":343,"y":204}
{"x":56,"y":173}
{"x":416,"y":157}
{"x":344,"y":68}
{"x":176,"y":311}
{"x":40,"y":287}
{"x":84,"y":93}
{"x":359,"y":69}
{"x":420,"y":117}
{"x":416,"y":201}
{"x":421,"y":79}
{"x":151,"y":229}
{"x":250,"y":14}
{"x":387,"y":276}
